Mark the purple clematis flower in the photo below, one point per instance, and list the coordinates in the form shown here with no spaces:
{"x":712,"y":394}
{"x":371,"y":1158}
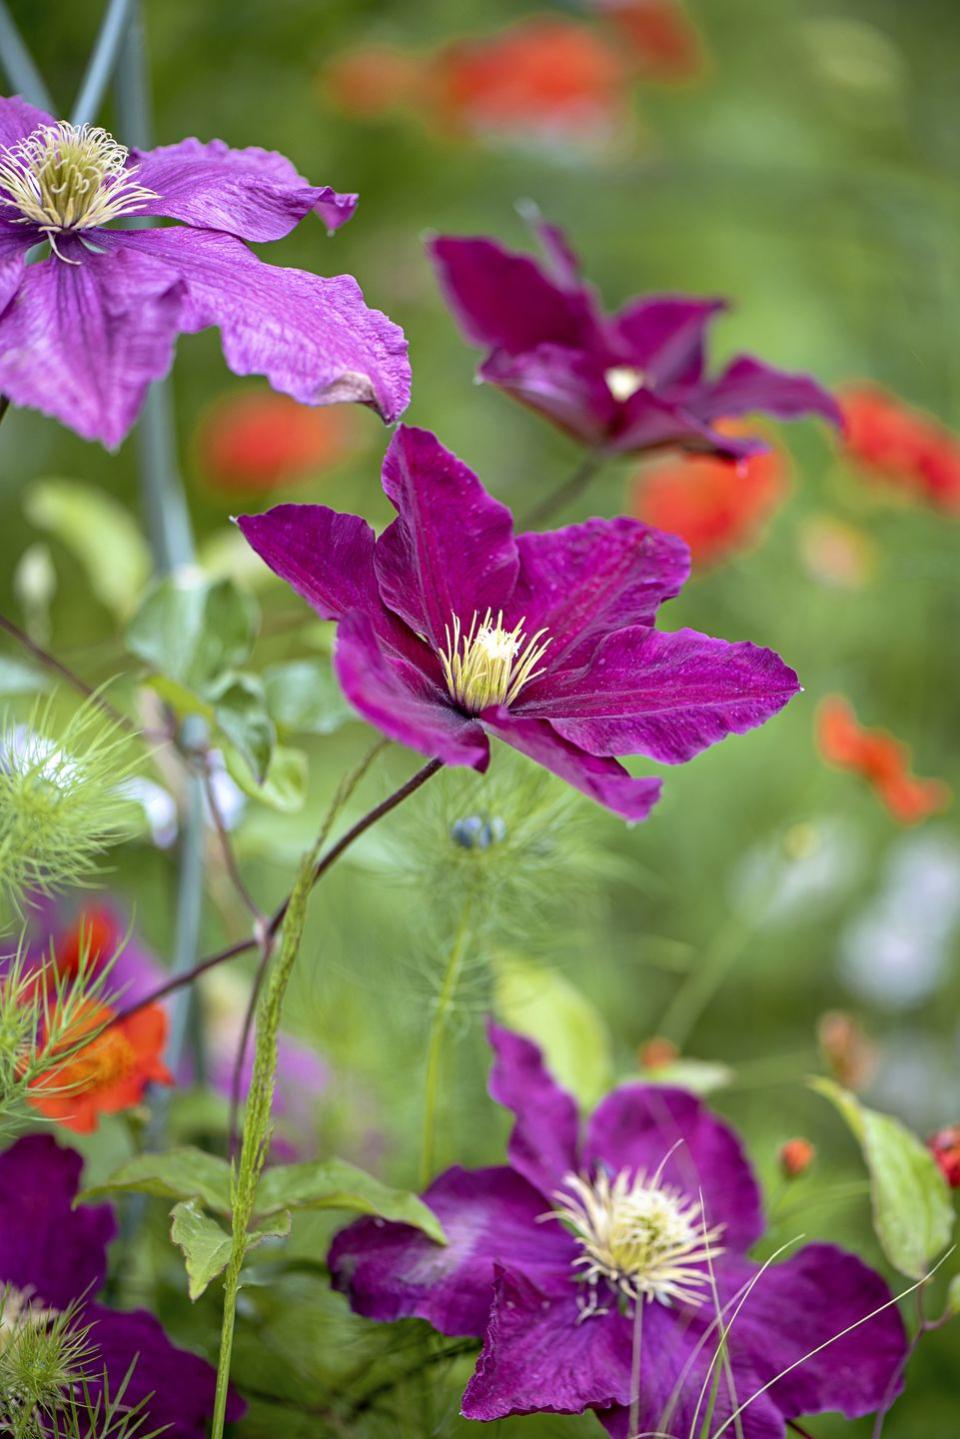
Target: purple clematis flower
{"x":620,"y":384}
{"x":600,"y":1269}
{"x":85,"y":331}
{"x":452,"y":628}
{"x":54,"y":1256}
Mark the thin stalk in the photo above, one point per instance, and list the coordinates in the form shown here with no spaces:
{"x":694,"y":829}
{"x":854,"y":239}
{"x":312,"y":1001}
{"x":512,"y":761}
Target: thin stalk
{"x":702,"y":983}
{"x":438,"y":1026}
{"x":103,"y":61}
{"x":55,"y":666}
{"x":570,"y":490}
{"x":19,"y":64}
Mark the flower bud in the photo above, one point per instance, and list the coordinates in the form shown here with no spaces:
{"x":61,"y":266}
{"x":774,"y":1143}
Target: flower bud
{"x":796,"y":1157}
{"x":658,"y":1052}
{"x":945,"y":1148}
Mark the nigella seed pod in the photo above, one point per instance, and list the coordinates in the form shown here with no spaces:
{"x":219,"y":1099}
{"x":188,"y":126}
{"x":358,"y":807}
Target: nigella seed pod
{"x":477,"y":832}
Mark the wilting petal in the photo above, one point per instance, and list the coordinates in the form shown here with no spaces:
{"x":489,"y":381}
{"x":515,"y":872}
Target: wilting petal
{"x":505,"y":300}
{"x":602,"y":779}
{"x":564,"y":384}
{"x":176,"y":1387}
{"x":84,"y":340}
{"x":256,"y":194}
{"x":537,"y":1357}
{"x":48,"y":1248}
{"x":580,"y":582}
{"x":543,"y":1142}
{"x":643,"y":1127}
{"x":397,"y":698}
{"x":18,"y":118}
{"x":392,"y":1271}
{"x":313,"y":337}
{"x":748,"y":384}
{"x":664,"y":336}
{"x":805,"y":1302}
{"x":325,"y":556}
{"x":451,"y":550}
{"x":664,"y":694}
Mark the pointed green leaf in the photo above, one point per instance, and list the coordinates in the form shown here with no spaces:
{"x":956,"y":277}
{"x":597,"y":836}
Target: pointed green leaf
{"x":304,"y":698}
{"x":185,"y":1173}
{"x":700,"y":1076}
{"x":240,"y":713}
{"x":194,"y":629}
{"x":205,"y":1244}
{"x":100,"y":532}
{"x":335,"y":1184}
{"x":569,"y":1029}
{"x":912,"y":1210}
{"x":285,"y":785}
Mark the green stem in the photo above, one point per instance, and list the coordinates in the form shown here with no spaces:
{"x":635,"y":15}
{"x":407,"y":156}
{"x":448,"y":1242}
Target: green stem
{"x":702,"y":983}
{"x":438,"y":1026}
{"x":570,"y":490}
{"x":231,"y":1289}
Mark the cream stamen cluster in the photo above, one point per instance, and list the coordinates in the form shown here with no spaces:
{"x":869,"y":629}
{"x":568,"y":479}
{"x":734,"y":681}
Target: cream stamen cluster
{"x":623,"y":381}
{"x":70,"y":177}
{"x":487,"y":665}
{"x":644,"y":1239}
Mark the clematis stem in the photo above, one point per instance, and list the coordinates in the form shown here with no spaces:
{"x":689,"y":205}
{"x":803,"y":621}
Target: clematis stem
{"x":438,"y":1026}
{"x":570,"y":490}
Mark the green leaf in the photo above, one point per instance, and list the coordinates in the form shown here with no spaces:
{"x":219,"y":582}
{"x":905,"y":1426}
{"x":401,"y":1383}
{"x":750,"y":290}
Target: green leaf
{"x":205,"y":1244}
{"x":185,"y":1173}
{"x":912,"y":1209}
{"x":304,"y":698}
{"x":700,"y":1076}
{"x":101,"y":533}
{"x":285,"y":784}
{"x":240,"y":714}
{"x":953,"y":1297}
{"x":194,"y":629}
{"x":19,"y":678}
{"x":335,"y":1184}
{"x":543,"y":1004}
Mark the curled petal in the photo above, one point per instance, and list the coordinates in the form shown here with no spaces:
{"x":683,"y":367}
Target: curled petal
{"x":543,"y":1143}
{"x":748,"y":385}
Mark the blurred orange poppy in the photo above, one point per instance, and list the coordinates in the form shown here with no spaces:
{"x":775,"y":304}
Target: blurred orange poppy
{"x":902,"y":446}
{"x":261,"y":440}
{"x":661,"y":40}
{"x":884,"y":762}
{"x":107,"y":1075}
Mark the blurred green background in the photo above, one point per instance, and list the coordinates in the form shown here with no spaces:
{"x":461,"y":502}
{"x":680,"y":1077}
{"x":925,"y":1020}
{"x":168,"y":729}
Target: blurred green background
{"x":809,"y":173}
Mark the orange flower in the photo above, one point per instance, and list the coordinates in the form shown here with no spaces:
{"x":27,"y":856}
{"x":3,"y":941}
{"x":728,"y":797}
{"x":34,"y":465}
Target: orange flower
{"x":661,"y":40}
{"x":371,"y":80}
{"x":107,"y":1075}
{"x":902,"y":446}
{"x":716,"y":506}
{"x":259,"y":440}
{"x":882,"y":761}
{"x":796,"y":1157}
{"x":836,"y":553}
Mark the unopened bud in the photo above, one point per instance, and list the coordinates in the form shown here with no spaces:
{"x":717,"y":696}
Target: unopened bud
{"x":658,"y":1052}
{"x":945,"y":1148}
{"x":796,"y":1157}
{"x":848,"y":1054}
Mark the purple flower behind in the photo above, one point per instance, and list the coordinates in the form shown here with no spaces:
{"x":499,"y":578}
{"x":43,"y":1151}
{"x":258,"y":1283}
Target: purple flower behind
{"x":594,"y":1268}
{"x":624,"y":383}
{"x":53,"y":1255}
{"x":85,"y":331}
{"x":452,"y":628}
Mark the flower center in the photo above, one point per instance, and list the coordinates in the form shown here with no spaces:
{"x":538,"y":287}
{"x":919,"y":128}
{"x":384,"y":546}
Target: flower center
{"x":101,"y":1064}
{"x":645,"y":1239}
{"x":69,"y":177}
{"x":623,"y":381}
{"x":488,"y":665}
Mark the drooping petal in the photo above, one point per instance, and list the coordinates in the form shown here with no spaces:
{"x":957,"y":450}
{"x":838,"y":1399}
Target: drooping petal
{"x":506,"y":301}
{"x":451,"y":550}
{"x":580,"y":582}
{"x":399,"y":699}
{"x":543,"y":1142}
{"x":48,"y":1249}
{"x":641,"y":1127}
{"x":256,"y":194}
{"x":312,"y":336}
{"x":392,"y":1271}
{"x":83,"y":341}
{"x":602,"y":779}
{"x":664,"y":694}
{"x":748,"y":385}
{"x":176,"y":1387}
{"x":325,"y":556}
{"x":808,"y":1301}
{"x":538,"y":1357}
{"x":18,"y":118}
{"x":664,"y":337}
{"x":564,"y":384}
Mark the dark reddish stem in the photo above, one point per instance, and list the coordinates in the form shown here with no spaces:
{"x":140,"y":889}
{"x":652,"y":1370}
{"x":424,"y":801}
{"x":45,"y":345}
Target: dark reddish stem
{"x":50,"y":662}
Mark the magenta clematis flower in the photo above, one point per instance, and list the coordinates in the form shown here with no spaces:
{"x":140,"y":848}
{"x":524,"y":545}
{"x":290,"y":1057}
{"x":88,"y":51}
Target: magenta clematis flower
{"x":620,"y":384}
{"x":85,"y":331}
{"x":451,"y":628}
{"x":54,"y":1256}
{"x":600,"y":1271}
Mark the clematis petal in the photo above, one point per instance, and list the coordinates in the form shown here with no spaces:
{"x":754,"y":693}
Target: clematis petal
{"x":256,"y":194}
{"x":664,"y":337}
{"x":392,"y":1271}
{"x":176,"y":1387}
{"x":748,"y":384}
{"x":805,"y":1302}
{"x":664,"y":694}
{"x":325,"y":556}
{"x":602,"y":779}
{"x":506,"y":300}
{"x":543,"y":1142}
{"x":18,"y":118}
{"x":565,"y":384}
{"x":47,"y":1247}
{"x":649,"y":421}
{"x":583,"y":581}
{"x":399,"y":699}
{"x":451,"y":550}
{"x":15,"y":241}
{"x":312,"y":336}
{"x":83,"y":341}
{"x":538,"y":1357}
{"x":641,"y":1127}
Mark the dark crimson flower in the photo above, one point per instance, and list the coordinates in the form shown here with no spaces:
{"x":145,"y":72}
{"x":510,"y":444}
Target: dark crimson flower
{"x":661,"y":41}
{"x":625,"y":383}
{"x":599,"y":1270}
{"x":901,"y":446}
{"x":884,"y":762}
{"x":85,"y":331}
{"x":451,"y":628}
{"x":54,"y":1256}
{"x":945,"y":1148}
{"x":262,"y":440}
{"x":718,"y":507}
